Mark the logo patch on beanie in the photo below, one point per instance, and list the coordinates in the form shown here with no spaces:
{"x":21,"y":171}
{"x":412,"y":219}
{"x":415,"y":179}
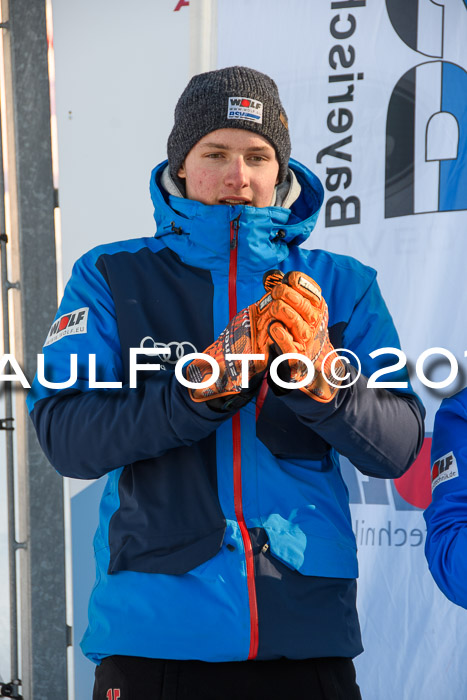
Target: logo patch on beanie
{"x":245,"y":108}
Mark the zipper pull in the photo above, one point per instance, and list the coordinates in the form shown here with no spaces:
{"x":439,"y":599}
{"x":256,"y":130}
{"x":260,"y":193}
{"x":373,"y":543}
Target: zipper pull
{"x":176,"y":229}
{"x":234,"y":226}
{"x":265,"y":548}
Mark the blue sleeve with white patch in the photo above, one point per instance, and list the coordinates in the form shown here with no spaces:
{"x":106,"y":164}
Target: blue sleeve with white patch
{"x":446,"y":516}
{"x":86,"y":432}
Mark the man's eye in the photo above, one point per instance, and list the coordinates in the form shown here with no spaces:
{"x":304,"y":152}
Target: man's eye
{"x":213,"y":155}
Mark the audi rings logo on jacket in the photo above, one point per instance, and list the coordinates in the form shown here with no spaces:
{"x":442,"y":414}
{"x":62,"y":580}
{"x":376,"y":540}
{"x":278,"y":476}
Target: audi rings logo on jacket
{"x":178,"y":349}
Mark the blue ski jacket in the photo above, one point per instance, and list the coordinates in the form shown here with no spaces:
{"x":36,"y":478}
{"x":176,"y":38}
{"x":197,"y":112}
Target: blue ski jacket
{"x":446,"y":516}
{"x":222,"y":536}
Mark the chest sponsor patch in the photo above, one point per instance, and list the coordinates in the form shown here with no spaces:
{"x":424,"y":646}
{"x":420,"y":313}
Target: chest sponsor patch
{"x":245,"y":108}
{"x":68,"y":324}
{"x":443,"y":469}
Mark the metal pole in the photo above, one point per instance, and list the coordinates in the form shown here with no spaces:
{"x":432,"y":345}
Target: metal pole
{"x":26,"y":114}
{"x":7,"y":424}
{"x":203,"y":36}
{"x":12,"y":688}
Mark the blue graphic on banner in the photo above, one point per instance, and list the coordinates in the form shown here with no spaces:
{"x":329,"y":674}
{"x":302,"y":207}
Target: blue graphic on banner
{"x":426,"y":141}
{"x":453,"y":172}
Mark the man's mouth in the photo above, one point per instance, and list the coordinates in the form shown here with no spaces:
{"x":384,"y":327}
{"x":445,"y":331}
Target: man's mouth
{"x":234,"y":200}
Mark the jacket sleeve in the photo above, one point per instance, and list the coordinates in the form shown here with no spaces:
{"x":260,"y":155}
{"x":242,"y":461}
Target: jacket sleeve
{"x":446,"y":516}
{"x":379,"y":430}
{"x":87,"y":432}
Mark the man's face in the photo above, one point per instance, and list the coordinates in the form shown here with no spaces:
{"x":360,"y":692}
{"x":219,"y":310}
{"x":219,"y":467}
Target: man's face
{"x":231,"y":166}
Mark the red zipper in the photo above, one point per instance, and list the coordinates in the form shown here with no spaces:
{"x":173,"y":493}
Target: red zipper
{"x":237,"y":461}
{"x":234,"y":226}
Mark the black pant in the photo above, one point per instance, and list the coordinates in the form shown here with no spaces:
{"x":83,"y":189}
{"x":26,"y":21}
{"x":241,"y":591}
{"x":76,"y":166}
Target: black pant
{"x":135,"y":678}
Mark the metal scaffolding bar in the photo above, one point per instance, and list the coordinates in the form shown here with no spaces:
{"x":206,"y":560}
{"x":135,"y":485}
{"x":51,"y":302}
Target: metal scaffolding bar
{"x":7,"y":424}
{"x":32,"y":240}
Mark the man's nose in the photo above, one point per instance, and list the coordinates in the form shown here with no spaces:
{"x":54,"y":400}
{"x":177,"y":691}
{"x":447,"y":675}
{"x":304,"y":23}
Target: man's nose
{"x":237,"y":173}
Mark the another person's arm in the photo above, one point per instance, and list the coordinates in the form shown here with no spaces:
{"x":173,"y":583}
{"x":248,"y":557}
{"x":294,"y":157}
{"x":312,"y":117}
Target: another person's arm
{"x":446,"y":516}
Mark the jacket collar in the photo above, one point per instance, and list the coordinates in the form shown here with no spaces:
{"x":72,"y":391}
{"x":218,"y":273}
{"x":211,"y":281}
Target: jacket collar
{"x":200,"y":233}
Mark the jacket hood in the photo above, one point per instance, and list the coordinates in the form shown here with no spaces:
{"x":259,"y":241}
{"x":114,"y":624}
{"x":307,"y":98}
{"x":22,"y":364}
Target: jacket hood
{"x":266,"y":232}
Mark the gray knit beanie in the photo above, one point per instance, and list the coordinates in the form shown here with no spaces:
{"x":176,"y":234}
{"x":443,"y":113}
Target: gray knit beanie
{"x":236,"y":97}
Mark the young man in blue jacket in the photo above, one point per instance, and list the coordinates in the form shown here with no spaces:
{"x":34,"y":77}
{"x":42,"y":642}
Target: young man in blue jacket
{"x":226,"y":561}
{"x":446,"y":516}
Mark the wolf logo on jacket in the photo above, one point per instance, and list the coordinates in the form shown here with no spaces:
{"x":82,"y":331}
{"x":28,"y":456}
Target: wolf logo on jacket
{"x":225,"y":533}
{"x":74,"y":322}
{"x":444,"y":469}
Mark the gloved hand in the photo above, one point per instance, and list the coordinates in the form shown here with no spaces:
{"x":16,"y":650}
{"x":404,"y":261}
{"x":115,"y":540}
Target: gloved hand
{"x":291,"y":317}
{"x":305,"y":333}
{"x":227,"y":393}
{"x":249,"y":332}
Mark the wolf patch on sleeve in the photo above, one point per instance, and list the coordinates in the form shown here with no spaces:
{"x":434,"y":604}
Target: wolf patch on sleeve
{"x":68,"y":324}
{"x":443,"y":469}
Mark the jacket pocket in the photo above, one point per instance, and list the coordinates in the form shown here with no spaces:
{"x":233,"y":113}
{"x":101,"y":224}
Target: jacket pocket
{"x":301,"y":544}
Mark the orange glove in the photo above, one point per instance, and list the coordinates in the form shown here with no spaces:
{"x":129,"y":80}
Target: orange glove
{"x":306,"y":332}
{"x":227,"y":393}
{"x":249,"y":332}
